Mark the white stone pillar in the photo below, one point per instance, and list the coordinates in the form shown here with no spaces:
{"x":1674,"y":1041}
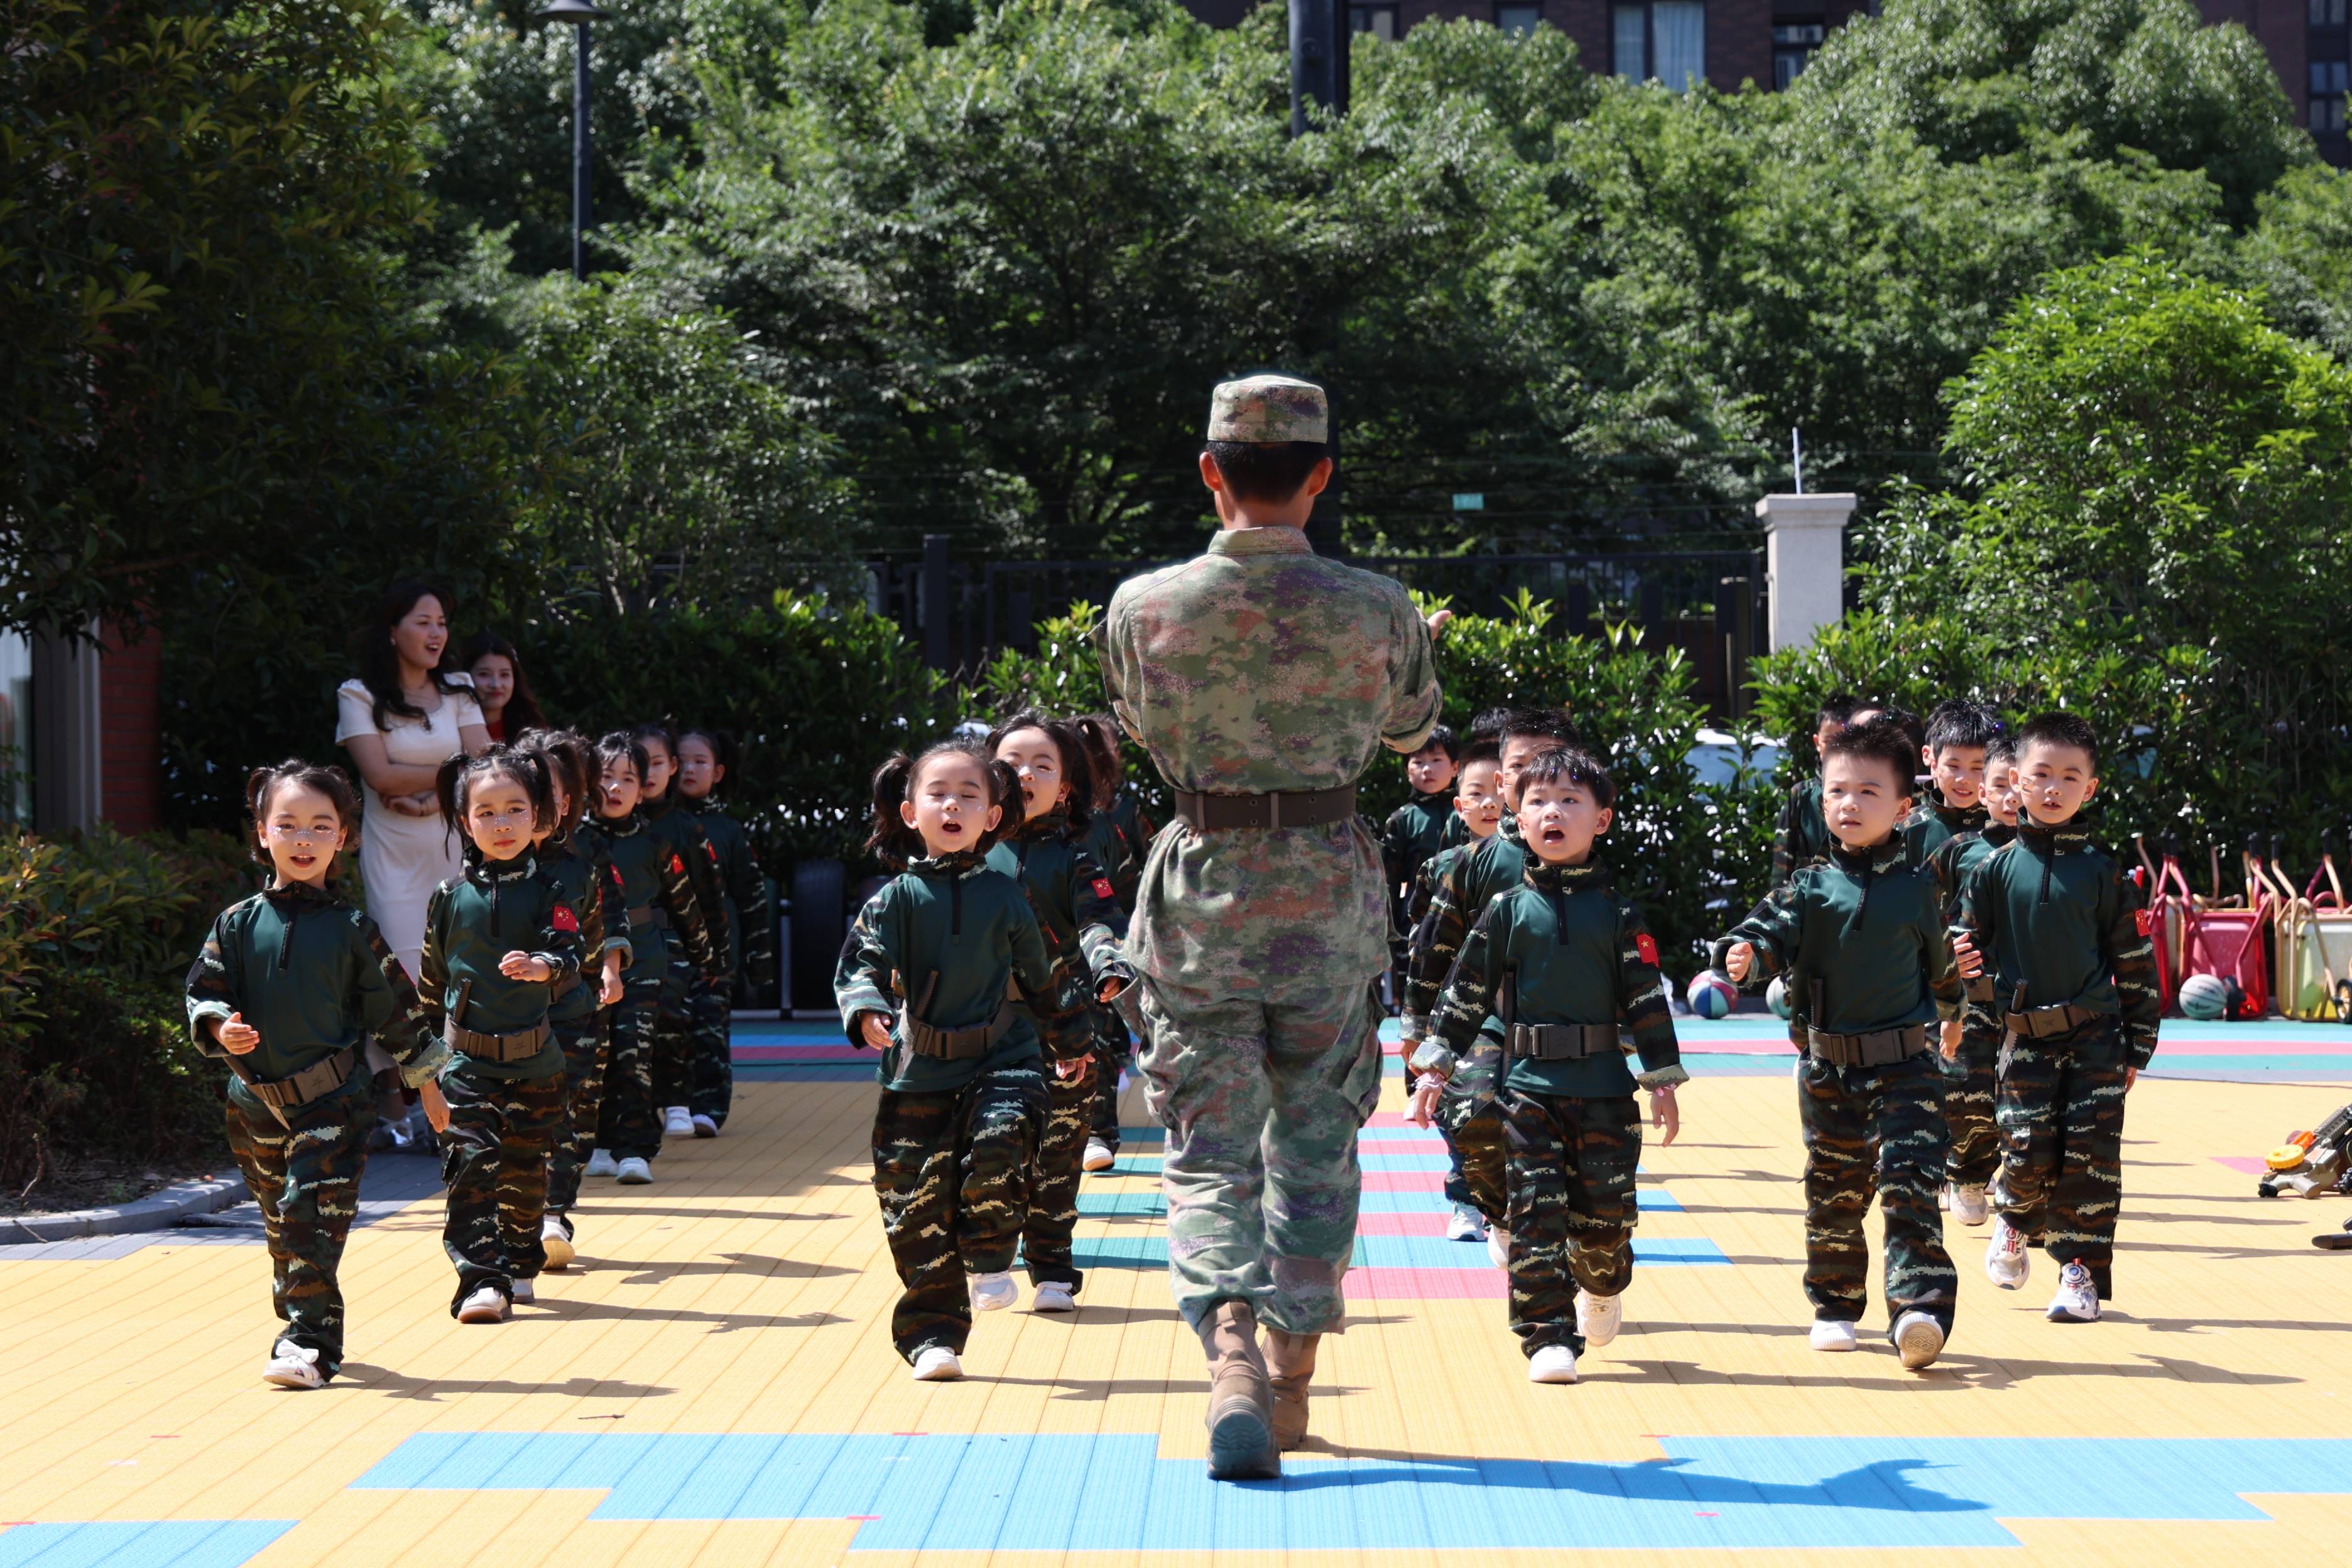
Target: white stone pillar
{"x":1804,"y":564}
{"x":65,"y":733}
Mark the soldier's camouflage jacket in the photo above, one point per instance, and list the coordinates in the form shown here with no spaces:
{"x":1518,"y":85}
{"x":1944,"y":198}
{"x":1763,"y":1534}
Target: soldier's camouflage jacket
{"x":1255,"y":668}
{"x":312,"y":974}
{"x":652,"y":877}
{"x":472,"y":921}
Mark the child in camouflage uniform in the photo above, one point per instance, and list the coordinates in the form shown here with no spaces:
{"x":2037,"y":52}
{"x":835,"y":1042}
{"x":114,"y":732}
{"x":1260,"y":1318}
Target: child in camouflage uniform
{"x":1800,"y":838}
{"x":929,"y":977}
{"x":1414,"y":832}
{"x":1118,"y":835}
{"x":676,"y":1043}
{"x":1567,"y":964}
{"x":2073,"y":967}
{"x":499,"y":938}
{"x":706,"y":760}
{"x":1072,"y":899}
{"x":1859,"y":935}
{"x":288,"y":986}
{"x":1968,"y":1066}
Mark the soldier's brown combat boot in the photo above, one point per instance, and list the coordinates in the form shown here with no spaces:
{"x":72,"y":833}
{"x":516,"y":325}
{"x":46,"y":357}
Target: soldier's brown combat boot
{"x":1289,"y":1363}
{"x":1241,"y":1411}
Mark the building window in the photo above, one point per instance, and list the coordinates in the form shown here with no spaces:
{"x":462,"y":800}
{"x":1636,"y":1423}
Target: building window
{"x":2328,"y":81}
{"x":2327,"y":13}
{"x":1793,"y":44}
{"x":1518,"y":18}
{"x":1379,"y":21}
{"x":1664,"y":40}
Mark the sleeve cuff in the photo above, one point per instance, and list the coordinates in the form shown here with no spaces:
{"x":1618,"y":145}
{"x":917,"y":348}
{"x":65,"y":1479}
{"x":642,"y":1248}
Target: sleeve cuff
{"x":206,"y":1045}
{"x":1434,"y":1056}
{"x":427,"y":1065}
{"x":1663,"y":1077}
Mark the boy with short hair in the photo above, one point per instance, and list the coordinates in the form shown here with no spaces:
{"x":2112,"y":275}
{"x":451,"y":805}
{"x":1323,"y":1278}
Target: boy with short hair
{"x":1957,"y":733}
{"x":2074,"y":1001}
{"x":1800,"y":838}
{"x":1968,"y":1070}
{"x":1411,"y":834}
{"x":1869,"y":970}
{"x":1567,"y":965}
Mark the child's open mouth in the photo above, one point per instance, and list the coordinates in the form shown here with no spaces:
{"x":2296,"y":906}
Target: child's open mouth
{"x":303,"y":862}
{"x":1554,"y":835}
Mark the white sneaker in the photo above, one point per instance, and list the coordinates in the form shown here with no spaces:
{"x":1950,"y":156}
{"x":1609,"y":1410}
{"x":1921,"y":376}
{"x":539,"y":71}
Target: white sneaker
{"x":1099,"y":1155}
{"x":522,"y":1293}
{"x":293,"y":1366}
{"x":396,"y":1136}
{"x":1498,"y":1246}
{"x":634,"y":1172}
{"x":2006,"y":1263}
{"x":1918,"y":1339}
{"x":936,"y":1363}
{"x":677,"y":1122}
{"x":555,"y":1243}
{"x":1053,"y":1296}
{"x":2077,"y":1301}
{"x":600,"y":1164}
{"x":1598,"y":1317}
{"x":706,"y":1127}
{"x":1831,"y":1334}
{"x":1969,"y":1206}
{"x":1466,"y":1224}
{"x":487,"y":1305}
{"x":993,"y":1292}
{"x":1552,"y":1363}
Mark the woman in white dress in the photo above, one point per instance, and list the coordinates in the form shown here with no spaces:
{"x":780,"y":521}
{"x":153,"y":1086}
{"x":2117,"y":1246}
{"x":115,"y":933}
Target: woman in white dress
{"x":400,"y":720}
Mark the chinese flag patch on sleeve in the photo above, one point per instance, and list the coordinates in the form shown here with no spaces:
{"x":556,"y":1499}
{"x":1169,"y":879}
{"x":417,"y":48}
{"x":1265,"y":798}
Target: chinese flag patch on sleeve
{"x":1647,"y":946}
{"x":2145,"y":920}
{"x":564,"y":919}
{"x":1102,"y":888}
{"x":677,"y":866}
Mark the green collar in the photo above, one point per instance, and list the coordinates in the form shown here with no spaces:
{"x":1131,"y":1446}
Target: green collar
{"x":1549,"y":879}
{"x":951,"y":867}
{"x":1260,"y":541}
{"x":2070,"y":838}
{"x":1879,"y":861}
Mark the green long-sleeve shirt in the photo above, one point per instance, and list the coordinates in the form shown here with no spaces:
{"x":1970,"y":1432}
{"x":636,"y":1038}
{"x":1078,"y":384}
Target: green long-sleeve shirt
{"x":681,"y":832}
{"x":313,"y":975}
{"x":1861,"y":938}
{"x":584,"y":877}
{"x":1074,"y":901}
{"x":1932,"y":823}
{"x":1802,"y":835}
{"x":652,"y":877}
{"x":1462,"y":889}
{"x":1119,"y":837}
{"x":1413,"y":832}
{"x":473,"y":920}
{"x":751,"y":923}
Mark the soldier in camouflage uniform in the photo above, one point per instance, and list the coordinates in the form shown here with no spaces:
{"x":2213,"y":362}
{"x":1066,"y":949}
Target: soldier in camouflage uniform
{"x":1567,"y":964}
{"x":288,"y":988}
{"x":1263,"y":679}
{"x":1969,"y":1068}
{"x":2069,"y":947}
{"x":1860,"y":940}
{"x":706,"y":759}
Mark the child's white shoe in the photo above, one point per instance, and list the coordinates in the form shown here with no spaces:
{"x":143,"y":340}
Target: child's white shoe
{"x":2077,"y":1301}
{"x":1918,"y":1339}
{"x":1052,"y":1296}
{"x":634,"y":1172}
{"x":1466,"y":1224}
{"x":2006,"y":1263}
{"x":293,"y":1366}
{"x":994,"y":1292}
{"x":678,"y":1122}
{"x":1552,"y":1363}
{"x":1498,"y":1246}
{"x":936,"y":1363}
{"x":487,"y":1305}
{"x":1598,"y":1317}
{"x":1944,"y":1197}
{"x":1099,"y":1155}
{"x":1831,"y":1334}
{"x":600,"y":1164}
{"x":1969,"y":1206}
{"x":522,"y":1293}
{"x":555,"y":1243}
{"x":706,"y":1126}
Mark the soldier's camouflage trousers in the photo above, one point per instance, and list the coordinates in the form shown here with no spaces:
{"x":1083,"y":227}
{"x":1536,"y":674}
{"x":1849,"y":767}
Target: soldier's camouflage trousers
{"x":494,"y":1162}
{"x":627,"y":1123}
{"x":307,"y":1183}
{"x":1054,"y":1182}
{"x":1570,"y":1210}
{"x":711,"y":1088}
{"x":2061,"y":1109}
{"x":1969,"y":1111}
{"x":585,"y":1047}
{"x":951,"y":1172}
{"x":673,"y":1056}
{"x":1262,"y":1101}
{"x":1875,"y":1131}
{"x":1112,"y":1046}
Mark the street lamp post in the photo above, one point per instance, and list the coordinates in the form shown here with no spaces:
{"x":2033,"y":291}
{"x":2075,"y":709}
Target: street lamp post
{"x":579,"y":14}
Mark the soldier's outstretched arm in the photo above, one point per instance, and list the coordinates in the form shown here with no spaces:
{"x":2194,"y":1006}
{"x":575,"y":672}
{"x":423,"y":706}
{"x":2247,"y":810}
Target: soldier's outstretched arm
{"x":1413,"y":696}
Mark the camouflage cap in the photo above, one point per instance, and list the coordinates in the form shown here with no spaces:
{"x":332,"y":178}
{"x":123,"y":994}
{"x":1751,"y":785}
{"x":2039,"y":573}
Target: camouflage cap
{"x":1267,"y":409}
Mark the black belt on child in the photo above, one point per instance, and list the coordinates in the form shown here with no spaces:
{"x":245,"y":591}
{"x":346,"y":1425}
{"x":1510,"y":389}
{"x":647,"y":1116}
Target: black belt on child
{"x":2040,"y":1022}
{"x":1878,"y":1048}
{"x":956,"y":1045}
{"x":1279,"y":808}
{"x":1563,"y":1042}
{"x":515,"y":1047}
{"x":646,"y":917}
{"x":317,"y":1081}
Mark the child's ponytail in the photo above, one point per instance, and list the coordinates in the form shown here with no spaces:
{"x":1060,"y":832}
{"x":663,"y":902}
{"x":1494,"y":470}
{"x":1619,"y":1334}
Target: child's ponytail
{"x":894,"y":843}
{"x":1072,"y":745}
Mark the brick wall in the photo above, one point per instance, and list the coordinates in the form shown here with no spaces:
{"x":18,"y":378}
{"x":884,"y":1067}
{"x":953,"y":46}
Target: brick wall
{"x":131,"y":733}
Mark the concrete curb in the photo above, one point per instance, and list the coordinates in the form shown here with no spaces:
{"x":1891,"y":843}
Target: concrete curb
{"x":157,"y":1211}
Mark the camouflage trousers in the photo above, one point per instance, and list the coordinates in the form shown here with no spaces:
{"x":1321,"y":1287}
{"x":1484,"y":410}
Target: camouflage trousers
{"x":1054,"y":1182}
{"x":1875,"y":1131}
{"x":2060,"y":1109}
{"x":1113,"y":1047}
{"x":711,"y":1088}
{"x":627,"y":1123}
{"x":494,"y":1162}
{"x":1262,"y":1101}
{"x":951,"y":1172}
{"x":673,"y":1056}
{"x":1969,"y":1112}
{"x":585,"y":1048}
{"x":1570,"y":1210}
{"x":306,"y":1180}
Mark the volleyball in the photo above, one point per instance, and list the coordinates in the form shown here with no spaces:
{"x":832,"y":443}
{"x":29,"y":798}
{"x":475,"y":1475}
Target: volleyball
{"x":1711,"y":995}
{"x":1776,"y":996}
{"x":2204,"y":996}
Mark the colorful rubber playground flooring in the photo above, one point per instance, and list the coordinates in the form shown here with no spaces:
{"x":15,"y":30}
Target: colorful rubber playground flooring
{"x":715,"y":1386}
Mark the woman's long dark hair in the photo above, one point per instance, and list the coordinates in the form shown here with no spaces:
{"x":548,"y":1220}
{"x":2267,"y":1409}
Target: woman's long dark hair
{"x":379,"y":667}
{"x":521,"y":712}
